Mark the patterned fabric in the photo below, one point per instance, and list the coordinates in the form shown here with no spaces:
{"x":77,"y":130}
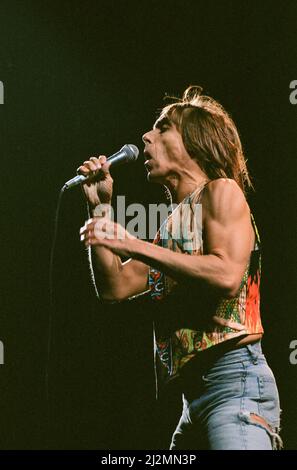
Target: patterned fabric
{"x":178,"y":338}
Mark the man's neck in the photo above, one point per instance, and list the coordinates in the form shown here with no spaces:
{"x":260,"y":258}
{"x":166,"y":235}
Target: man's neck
{"x":183,"y":186}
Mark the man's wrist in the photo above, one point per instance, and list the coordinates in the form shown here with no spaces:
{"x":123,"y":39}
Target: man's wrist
{"x":101,"y":210}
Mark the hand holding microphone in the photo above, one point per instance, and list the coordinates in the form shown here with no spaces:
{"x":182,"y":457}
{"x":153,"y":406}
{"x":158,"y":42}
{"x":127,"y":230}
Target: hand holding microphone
{"x":95,"y":177}
{"x":98,"y":185}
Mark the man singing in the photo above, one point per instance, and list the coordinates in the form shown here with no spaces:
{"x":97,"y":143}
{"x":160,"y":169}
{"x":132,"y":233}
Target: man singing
{"x":202,"y":272}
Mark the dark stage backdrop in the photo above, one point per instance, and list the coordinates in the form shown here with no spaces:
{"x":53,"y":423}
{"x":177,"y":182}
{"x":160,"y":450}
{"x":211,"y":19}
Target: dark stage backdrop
{"x":85,"y":77}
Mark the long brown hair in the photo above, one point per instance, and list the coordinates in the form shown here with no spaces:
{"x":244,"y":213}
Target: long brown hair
{"x":209,"y":135}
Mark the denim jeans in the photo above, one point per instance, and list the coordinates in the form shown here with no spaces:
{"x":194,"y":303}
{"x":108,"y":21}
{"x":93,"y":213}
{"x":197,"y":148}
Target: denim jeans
{"x":234,"y":405}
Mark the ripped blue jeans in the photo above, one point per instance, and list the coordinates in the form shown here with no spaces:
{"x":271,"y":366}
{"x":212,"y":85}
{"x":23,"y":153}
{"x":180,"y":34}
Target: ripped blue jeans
{"x":234,"y":405}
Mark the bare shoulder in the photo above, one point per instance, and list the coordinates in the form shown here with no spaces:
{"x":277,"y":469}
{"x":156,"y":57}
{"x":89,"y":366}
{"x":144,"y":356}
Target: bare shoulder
{"x":224,"y":198}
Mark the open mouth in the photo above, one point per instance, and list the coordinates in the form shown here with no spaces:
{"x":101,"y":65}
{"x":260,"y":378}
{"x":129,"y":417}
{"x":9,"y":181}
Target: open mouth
{"x":148,"y":160}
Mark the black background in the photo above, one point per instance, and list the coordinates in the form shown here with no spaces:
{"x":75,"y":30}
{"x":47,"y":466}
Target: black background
{"x":86,"y":77}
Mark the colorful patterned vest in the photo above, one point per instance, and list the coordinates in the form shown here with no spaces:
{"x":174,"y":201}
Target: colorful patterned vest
{"x":190,"y":319}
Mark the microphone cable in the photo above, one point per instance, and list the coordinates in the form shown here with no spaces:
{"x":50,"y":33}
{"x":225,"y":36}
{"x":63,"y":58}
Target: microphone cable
{"x":51,"y":298}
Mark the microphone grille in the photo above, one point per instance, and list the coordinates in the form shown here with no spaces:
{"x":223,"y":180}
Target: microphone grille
{"x":131,"y":151}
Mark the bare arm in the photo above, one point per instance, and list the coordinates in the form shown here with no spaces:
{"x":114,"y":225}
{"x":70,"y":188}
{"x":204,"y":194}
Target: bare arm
{"x":228,"y":240}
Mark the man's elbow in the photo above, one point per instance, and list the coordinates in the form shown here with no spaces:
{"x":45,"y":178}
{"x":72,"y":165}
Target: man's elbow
{"x":230,"y":286}
{"x":114,"y":294}
{"x":227,"y":277}
{"x":111,"y":296}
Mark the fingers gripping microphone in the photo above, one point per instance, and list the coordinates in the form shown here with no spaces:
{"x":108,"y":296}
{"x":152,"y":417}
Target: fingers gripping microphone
{"x":127,"y":154}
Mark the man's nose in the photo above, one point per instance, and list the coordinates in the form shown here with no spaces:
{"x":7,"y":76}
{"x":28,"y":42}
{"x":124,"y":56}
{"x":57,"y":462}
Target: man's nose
{"x":146,"y":138}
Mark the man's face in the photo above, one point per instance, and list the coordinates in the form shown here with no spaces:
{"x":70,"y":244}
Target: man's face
{"x":164,"y":151}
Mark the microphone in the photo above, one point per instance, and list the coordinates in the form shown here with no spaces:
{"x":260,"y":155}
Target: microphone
{"x":128,"y":153}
